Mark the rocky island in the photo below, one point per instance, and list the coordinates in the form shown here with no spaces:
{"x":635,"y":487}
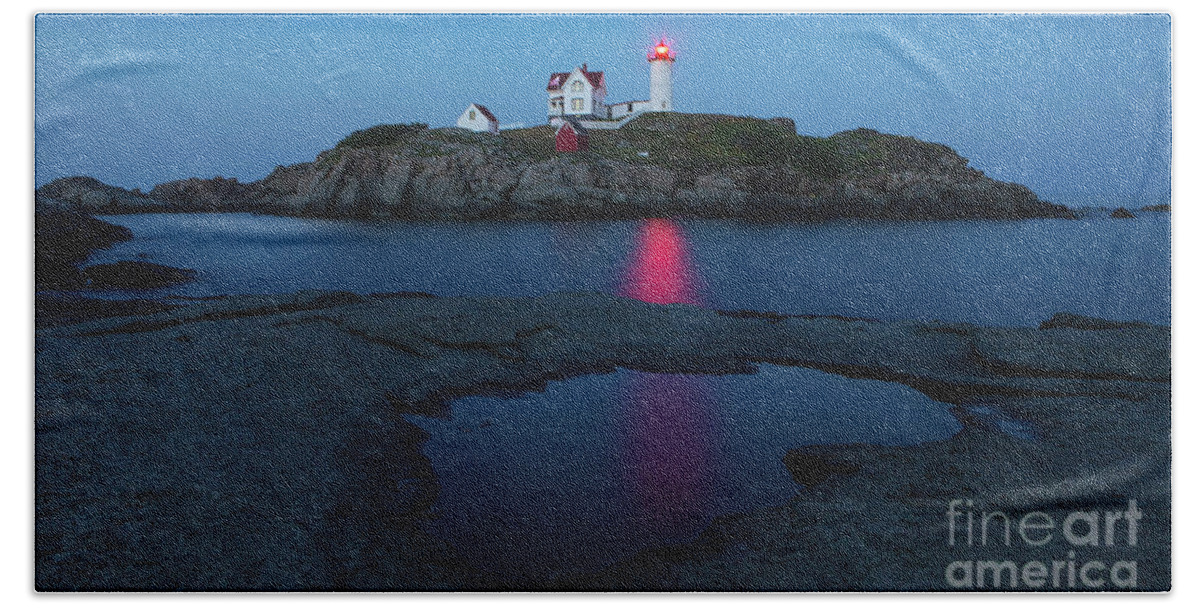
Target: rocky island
{"x":658,"y":165}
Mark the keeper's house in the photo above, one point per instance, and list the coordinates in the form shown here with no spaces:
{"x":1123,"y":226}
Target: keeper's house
{"x":578,"y":93}
{"x":478,"y":118}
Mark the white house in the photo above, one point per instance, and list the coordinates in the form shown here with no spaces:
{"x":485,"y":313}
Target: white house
{"x":578,"y":93}
{"x":478,"y":118}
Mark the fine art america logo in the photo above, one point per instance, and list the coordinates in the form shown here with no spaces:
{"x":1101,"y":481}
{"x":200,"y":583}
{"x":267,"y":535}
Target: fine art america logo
{"x":1077,"y":533}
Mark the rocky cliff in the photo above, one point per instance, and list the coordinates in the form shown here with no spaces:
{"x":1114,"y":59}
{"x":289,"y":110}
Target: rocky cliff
{"x":686,"y":165}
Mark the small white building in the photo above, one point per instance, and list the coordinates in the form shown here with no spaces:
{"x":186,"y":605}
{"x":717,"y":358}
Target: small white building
{"x":478,"y":118}
{"x":578,"y":93}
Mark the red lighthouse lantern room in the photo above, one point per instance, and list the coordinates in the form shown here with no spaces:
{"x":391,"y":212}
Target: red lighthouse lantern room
{"x":661,"y":52}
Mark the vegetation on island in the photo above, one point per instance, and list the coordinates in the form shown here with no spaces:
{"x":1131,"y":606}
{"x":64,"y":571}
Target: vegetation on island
{"x":684,"y":141}
{"x":383,"y":136}
{"x":698,"y":142}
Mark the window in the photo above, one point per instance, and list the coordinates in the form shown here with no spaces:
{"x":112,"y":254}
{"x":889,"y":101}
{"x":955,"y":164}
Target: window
{"x":577,"y":104}
{"x":577,"y":86}
{"x":472,"y":114}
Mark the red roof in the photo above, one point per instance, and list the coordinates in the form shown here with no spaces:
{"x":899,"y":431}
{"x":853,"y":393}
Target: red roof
{"x":571,"y":125}
{"x":558,"y":78}
{"x":486,"y":112}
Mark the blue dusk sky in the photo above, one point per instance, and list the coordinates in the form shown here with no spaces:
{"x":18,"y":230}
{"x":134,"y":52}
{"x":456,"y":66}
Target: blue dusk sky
{"x":1077,"y":107}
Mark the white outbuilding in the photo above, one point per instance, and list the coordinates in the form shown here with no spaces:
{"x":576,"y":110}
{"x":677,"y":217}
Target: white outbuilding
{"x":478,"y":118}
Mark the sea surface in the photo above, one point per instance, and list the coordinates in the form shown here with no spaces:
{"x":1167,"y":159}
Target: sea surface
{"x":598,"y":467}
{"x":993,"y":273}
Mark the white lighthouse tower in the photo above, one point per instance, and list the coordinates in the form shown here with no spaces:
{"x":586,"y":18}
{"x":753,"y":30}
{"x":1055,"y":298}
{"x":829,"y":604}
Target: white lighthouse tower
{"x":662,"y":63}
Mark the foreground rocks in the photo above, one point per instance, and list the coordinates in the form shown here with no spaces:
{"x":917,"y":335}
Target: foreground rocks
{"x":65,"y":236}
{"x":259,"y":442}
{"x":135,"y":275}
{"x":63,"y":240}
{"x":695,"y":165}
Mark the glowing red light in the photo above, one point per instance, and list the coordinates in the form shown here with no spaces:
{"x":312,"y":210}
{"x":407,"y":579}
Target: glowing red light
{"x":661,"y":50}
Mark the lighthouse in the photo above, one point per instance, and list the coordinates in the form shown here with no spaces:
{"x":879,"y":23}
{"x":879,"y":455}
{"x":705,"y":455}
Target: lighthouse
{"x":662,"y":63}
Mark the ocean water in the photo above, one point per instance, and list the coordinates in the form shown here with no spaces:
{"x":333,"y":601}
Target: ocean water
{"x":996,"y":273}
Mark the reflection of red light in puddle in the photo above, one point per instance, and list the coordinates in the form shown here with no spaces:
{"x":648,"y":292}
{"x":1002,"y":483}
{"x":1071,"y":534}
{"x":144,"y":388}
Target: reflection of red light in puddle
{"x":668,"y":449}
{"x":660,"y":271}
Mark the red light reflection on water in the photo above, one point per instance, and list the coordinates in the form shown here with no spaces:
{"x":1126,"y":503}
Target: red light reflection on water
{"x":668,"y":421}
{"x":668,"y":417}
{"x":660,"y":270}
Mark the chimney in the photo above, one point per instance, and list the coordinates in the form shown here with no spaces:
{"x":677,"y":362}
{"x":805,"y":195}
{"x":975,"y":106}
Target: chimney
{"x":584,"y":68}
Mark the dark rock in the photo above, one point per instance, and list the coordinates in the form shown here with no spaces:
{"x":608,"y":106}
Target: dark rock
{"x":135,"y":275}
{"x":1162,"y":207}
{"x":63,"y":239}
{"x":137,"y":428}
{"x":52,"y":309}
{"x":1121,"y":213}
{"x":194,"y":194}
{"x":403,"y":294}
{"x":809,"y":468}
{"x":774,"y":317}
{"x":90,"y":195}
{"x":1074,"y":321}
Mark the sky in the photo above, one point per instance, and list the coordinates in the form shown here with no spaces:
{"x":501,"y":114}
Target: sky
{"x":1075,"y":106}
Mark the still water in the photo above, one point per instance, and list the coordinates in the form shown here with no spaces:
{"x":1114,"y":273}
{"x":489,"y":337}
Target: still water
{"x":598,"y":467}
{"x":994,"y":273}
